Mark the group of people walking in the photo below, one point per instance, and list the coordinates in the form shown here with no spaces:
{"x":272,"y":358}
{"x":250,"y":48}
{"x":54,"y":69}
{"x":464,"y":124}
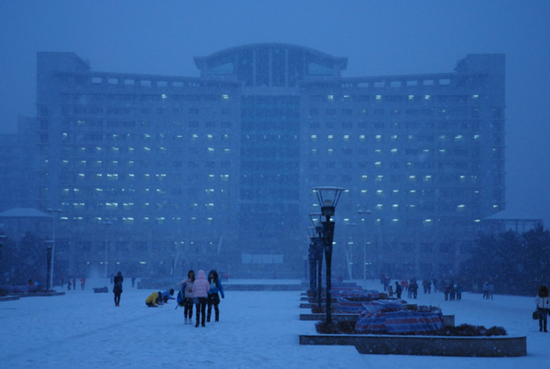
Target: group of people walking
{"x":197,"y":292}
{"x":201,"y":292}
{"x":488,"y":290}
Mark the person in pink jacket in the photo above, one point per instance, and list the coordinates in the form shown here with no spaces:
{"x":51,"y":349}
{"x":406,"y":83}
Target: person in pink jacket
{"x":200,"y":293}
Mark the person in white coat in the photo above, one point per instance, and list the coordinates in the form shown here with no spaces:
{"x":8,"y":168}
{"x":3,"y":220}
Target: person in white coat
{"x":543,"y":304}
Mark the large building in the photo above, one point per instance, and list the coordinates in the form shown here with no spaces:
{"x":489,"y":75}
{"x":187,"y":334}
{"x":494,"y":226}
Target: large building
{"x":217,"y":170}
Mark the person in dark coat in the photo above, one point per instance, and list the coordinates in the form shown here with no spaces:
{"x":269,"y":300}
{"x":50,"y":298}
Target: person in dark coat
{"x":213,"y":297}
{"x":117,"y":288}
{"x":543,"y":304}
{"x":446,"y":290}
{"x":398,"y":289}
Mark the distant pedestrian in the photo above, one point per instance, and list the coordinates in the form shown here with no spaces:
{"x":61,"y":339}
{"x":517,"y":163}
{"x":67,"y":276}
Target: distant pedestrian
{"x":117,"y":288}
{"x":458,"y":291}
{"x":69,"y":285}
{"x":133,"y":281}
{"x":82,"y":283}
{"x":414,"y":287}
{"x":200,"y":291}
{"x":543,"y":304}
{"x":485,"y":289}
{"x":398,"y":289}
{"x":74,"y":284}
{"x":213,"y":297}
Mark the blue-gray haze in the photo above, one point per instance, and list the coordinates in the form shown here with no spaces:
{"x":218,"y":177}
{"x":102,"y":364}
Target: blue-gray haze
{"x":379,"y":38}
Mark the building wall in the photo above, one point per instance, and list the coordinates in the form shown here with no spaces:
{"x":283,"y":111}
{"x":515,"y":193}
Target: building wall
{"x":217,"y":171}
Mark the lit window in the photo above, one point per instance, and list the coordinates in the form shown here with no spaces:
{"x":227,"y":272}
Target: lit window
{"x":458,"y":138}
{"x":225,"y":97}
{"x":379,"y":206}
{"x":210,"y":137}
{"x":313,"y":137}
{"x":394,"y":137}
{"x":411,"y":97}
{"x":380,"y":193}
{"x":210,"y":150}
{"x":378,"y":164}
{"x":362,"y":137}
{"x":427,"y":97}
{"x":475,"y":96}
{"x":346,"y":137}
{"x":379,"y":178}
{"x":330,"y":137}
{"x":378,"y":138}
{"x":364,"y":177}
{"x":378,"y":97}
{"x":429,"y":178}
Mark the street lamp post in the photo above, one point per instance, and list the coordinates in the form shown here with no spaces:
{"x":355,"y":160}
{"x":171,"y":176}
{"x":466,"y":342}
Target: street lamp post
{"x":49,"y":261}
{"x":328,"y":199}
{"x":365,"y":212}
{"x":317,"y":251}
{"x":106,"y":224}
{"x":54,"y":216}
{"x":312,"y":261}
{"x":350,"y":254}
{"x":2,"y":238}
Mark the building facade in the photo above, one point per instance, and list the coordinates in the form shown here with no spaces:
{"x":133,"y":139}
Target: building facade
{"x":159,"y":174}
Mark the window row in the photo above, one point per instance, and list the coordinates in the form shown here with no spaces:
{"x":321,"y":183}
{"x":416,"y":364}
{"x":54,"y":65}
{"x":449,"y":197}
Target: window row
{"x":69,"y":111}
{"x":71,"y":176}
{"x":131,"y":206}
{"x":141,"y":163}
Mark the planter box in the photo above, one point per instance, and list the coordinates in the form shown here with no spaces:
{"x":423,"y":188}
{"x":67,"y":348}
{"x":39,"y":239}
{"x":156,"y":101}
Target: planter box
{"x":501,"y":346}
{"x":447,"y":319}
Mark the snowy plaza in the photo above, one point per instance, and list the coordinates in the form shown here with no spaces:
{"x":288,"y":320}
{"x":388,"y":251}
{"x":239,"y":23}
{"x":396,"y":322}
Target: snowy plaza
{"x":256,"y":330}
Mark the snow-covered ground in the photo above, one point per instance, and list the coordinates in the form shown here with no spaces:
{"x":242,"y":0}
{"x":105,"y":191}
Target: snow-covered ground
{"x":257,"y":330}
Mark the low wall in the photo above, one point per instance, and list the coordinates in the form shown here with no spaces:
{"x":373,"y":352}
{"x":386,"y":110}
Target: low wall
{"x":447,"y":319}
{"x":425,"y":345}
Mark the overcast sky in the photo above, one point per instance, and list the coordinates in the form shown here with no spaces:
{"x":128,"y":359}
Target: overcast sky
{"x":378,"y":37}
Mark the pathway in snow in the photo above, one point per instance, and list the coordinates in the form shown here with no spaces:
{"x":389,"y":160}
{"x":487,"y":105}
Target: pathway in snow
{"x":257,"y":330}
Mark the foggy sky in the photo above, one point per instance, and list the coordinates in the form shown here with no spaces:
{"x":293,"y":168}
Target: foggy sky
{"x":379,"y":38}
